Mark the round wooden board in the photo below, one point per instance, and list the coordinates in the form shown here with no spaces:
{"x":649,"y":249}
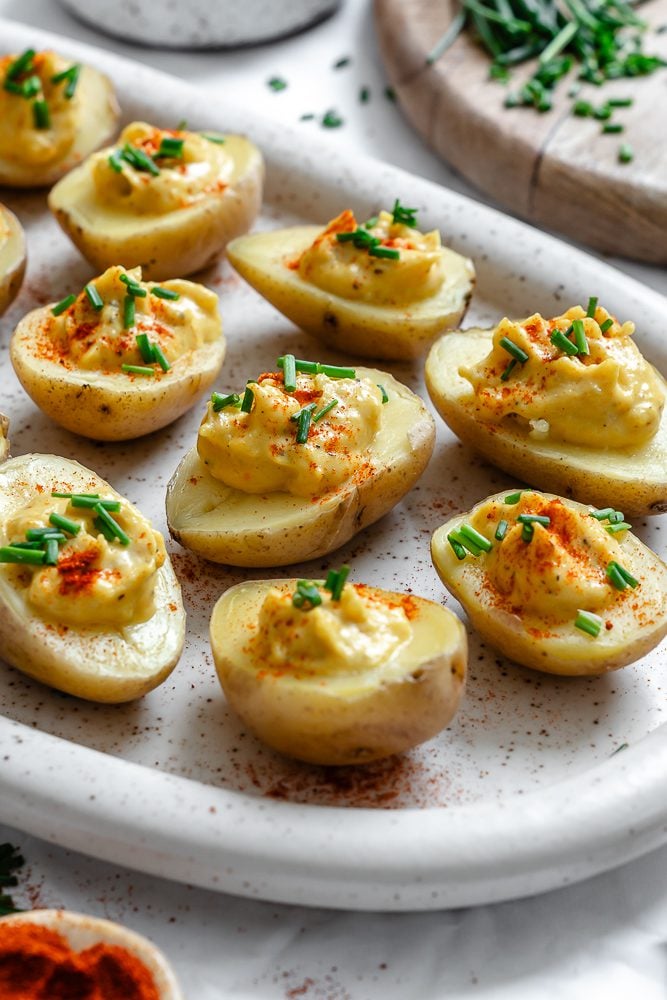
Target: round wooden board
{"x":553,"y":169}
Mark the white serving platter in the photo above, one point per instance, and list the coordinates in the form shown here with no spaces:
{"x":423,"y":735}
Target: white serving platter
{"x":524,"y":792}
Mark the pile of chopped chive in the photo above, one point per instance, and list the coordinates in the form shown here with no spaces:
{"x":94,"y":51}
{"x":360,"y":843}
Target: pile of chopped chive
{"x":22,"y":80}
{"x":364,"y":240}
{"x":307,"y":594}
{"x":603,"y":38}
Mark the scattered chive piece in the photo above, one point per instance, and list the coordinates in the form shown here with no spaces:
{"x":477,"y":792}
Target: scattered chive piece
{"x":289,"y":372}
{"x":160,"y":357}
{"x":14,"y":554}
{"x":22,"y":64}
{"x":625,"y":153}
{"x":369,"y":223}
{"x":527,"y":532}
{"x":616,"y":517}
{"x":277,"y":83}
{"x":219,"y":402}
{"x":385,"y":397}
{"x":171,"y":147}
{"x":64,"y":523}
{"x":307,"y":117}
{"x":41,"y":114}
{"x":68,"y":496}
{"x":620,"y":102}
{"x":103,"y":529}
{"x":32,"y":545}
{"x":12,"y":87}
{"x":587,"y":622}
{"x":459,"y":550}
{"x":606,"y":325}
{"x":613,"y":128}
{"x":582,"y":109}
{"x":31,"y":86}
{"x":51,"y":552}
{"x":508,"y":371}
{"x":90,"y":502}
{"x":340,"y":63}
{"x":116,"y":161}
{"x":513,"y":349}
{"x":467,"y":531}
{"x":247,"y":401}
{"x":218,"y":139}
{"x":63,"y":305}
{"x":501,"y":530}
{"x":310,"y":367}
{"x":325,"y":409}
{"x":386,"y":252}
{"x":580,"y":337}
{"x":339,"y":583}
{"x":295,"y":417}
{"x":165,"y":293}
{"x":613,"y":529}
{"x":603,"y":514}
{"x":390,"y":94}
{"x":465,"y":543}
{"x":364,"y":95}
{"x":336,"y":371}
{"x":145,"y":348}
{"x":137,"y":370}
{"x":129,"y":312}
{"x":617,"y":578}
{"x":623,"y":746}
{"x":94,"y":296}
{"x":559,"y":340}
{"x":592,"y":306}
{"x":534,"y":519}
{"x":304,"y":426}
{"x":627,"y":576}
{"x":40,"y":534}
{"x":404,"y":216}
{"x":112,"y":524}
{"x":138,"y":159}
{"x":133,"y":288}
{"x":513,"y":498}
{"x":331,"y":119}
{"x":72,"y":76}
{"x":306,"y":592}
{"x":313,"y":368}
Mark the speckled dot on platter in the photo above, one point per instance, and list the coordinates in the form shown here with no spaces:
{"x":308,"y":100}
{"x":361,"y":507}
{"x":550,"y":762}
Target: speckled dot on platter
{"x":517,"y":732}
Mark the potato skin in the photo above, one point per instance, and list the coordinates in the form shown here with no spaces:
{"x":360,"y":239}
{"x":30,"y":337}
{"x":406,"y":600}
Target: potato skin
{"x":570,"y":653}
{"x":176,"y":243}
{"x":320,"y":724}
{"x":278,"y":530}
{"x":635,"y":482}
{"x":110,"y":407}
{"x":356,"y":328}
{"x":13,"y":259}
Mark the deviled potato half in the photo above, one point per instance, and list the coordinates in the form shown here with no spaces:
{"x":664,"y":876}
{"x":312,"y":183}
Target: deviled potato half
{"x":337,"y":673}
{"x":378,"y":290}
{"x":12,"y":257}
{"x":166,"y":200}
{"x":124,"y":357}
{"x":554,"y":584}
{"x":53,"y":113}
{"x":89,"y":602}
{"x":305,"y":458}
{"x":568,"y":404}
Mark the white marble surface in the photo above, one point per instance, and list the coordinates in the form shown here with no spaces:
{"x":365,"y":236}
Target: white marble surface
{"x":607,"y":936}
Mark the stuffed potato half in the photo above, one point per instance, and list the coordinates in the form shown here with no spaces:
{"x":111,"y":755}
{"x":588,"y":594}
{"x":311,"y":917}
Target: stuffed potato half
{"x":12,"y":257}
{"x":99,"y":662}
{"x":230,"y":526}
{"x":548,"y":602}
{"x":341,"y":717}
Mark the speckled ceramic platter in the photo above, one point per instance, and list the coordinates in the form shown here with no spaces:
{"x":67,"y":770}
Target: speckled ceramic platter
{"x":525,"y":791}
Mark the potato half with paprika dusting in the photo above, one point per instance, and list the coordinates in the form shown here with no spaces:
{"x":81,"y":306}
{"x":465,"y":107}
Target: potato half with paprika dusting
{"x":337,"y":673}
{"x":554,"y":584}
{"x":89,"y":602}
{"x":568,"y":404}
{"x":298,"y":463}
{"x":378,"y":290}
{"x":12,"y":257}
{"x":166,"y":200}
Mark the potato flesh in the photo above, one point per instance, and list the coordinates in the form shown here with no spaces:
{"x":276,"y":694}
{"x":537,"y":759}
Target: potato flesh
{"x":639,"y":622}
{"x":12,"y":258}
{"x":634,"y":481}
{"x":344,"y":719}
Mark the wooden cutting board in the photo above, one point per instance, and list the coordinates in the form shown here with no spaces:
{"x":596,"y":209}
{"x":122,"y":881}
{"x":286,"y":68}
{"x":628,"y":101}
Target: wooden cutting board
{"x":553,"y":169}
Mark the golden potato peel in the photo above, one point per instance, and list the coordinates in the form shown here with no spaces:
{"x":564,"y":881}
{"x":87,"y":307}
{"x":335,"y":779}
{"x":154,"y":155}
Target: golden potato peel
{"x":12,"y":258}
{"x":95,"y":664}
{"x":634,"y":481}
{"x":562,"y":649}
{"x":344,"y":718}
{"x":278,"y":529}
{"x":359,"y":328}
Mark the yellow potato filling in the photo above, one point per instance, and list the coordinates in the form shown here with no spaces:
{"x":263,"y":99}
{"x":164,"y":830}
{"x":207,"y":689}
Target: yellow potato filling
{"x":153,"y":171}
{"x":387,"y":263}
{"x":96,"y":332}
{"x":97,"y":582}
{"x":30,"y":135}
{"x":574,"y":378}
{"x":352,"y":635}
{"x":259,"y":451}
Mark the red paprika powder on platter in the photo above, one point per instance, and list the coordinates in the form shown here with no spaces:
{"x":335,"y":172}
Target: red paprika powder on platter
{"x":37,"y":963}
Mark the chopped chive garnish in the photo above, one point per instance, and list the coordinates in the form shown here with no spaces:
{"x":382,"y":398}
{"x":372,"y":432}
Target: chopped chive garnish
{"x":22,"y":64}
{"x":508,"y":371}
{"x":64,"y":523}
{"x":103,"y":529}
{"x":160,"y":357}
{"x":306,"y":593}
{"x":527,"y":532}
{"x":295,"y":417}
{"x":94,"y":296}
{"x":218,"y":139}
{"x":513,"y":498}
{"x":616,"y":579}
{"x":613,"y":529}
{"x":145,"y":348}
{"x":72,"y":76}
{"x":31,"y":86}
{"x":171,"y":147}
{"x":612,"y":128}
{"x":331,"y":119}
{"x":219,"y":402}
{"x":313,"y":368}
{"x":13,"y":88}
{"x":343,"y":61}
{"x":385,"y":252}
{"x":137,"y":370}
{"x":68,"y":496}
{"x":513,"y":349}
{"x":620,"y":102}
{"x":307,"y":117}
{"x":64,"y":304}
{"x":40,"y":534}
{"x":580,"y":337}
{"x":51,"y":552}
{"x":325,"y":409}
{"x":32,"y":545}
{"x":364,"y":95}
{"x":116,"y":161}
{"x":289,"y":372}
{"x":586,"y":621}
{"x":247,"y":401}
{"x":14,"y":554}
{"x":129,"y":312}
{"x":583,"y":109}
{"x":559,"y":340}
{"x":592,"y":306}
{"x":41,"y":114}
{"x":404,"y":216}
{"x":501,"y":530}
{"x":625,"y":153}
{"x":112,"y":524}
{"x":339,"y":583}
{"x":616,"y":517}
{"x":309,"y":367}
{"x":621,"y":572}
{"x":165,"y":293}
{"x":304,"y":425}
{"x":390,"y":94}
{"x":140,"y":160}
{"x":91,"y":502}
{"x":534,"y":519}
{"x":458,"y":549}
{"x":277,"y":83}
{"x":336,"y":371}
{"x":603,"y":514}
{"x":370,"y":223}
{"x":472,"y":535}
{"x":133,"y":287}
{"x":385,"y":397}
{"x":465,"y":543}
{"x":606,"y":325}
